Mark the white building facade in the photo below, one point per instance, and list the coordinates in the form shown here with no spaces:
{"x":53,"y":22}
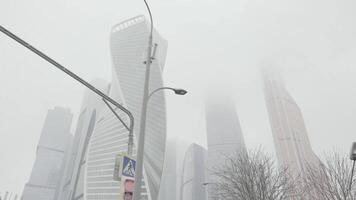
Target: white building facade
{"x":51,"y":156}
{"x":72,"y":184}
{"x":129,"y":41}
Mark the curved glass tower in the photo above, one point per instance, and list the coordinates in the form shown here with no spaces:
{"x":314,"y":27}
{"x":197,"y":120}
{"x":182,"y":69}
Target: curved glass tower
{"x":128,"y":43}
{"x":224,"y":133}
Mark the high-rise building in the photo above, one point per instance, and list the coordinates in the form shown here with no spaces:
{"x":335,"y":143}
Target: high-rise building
{"x":223,"y":133}
{"x":193,"y":185}
{"x":290,"y":136}
{"x":168,"y":188}
{"x":50,"y":156}
{"x":173,"y":169}
{"x":72,"y":184}
{"x":6,"y":195}
{"x":129,"y":41}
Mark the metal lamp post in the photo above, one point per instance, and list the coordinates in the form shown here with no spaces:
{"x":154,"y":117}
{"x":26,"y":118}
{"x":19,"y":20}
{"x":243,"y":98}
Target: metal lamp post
{"x":105,"y":97}
{"x":107,"y":100}
{"x":175,"y":90}
{"x":353,"y":158}
{"x":140,"y":148}
{"x":141,"y":138}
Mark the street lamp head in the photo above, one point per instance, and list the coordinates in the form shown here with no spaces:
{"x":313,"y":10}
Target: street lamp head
{"x":180,"y":91}
{"x":353,"y":152}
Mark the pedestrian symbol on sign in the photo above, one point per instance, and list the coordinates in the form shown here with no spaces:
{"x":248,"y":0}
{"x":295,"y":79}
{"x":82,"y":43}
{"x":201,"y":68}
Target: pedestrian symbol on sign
{"x":129,"y":166}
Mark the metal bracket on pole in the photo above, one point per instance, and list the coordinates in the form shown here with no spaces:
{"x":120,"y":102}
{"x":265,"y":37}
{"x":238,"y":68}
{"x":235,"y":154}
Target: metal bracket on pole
{"x":130,"y":143}
{"x":115,"y":113}
{"x":154,"y":52}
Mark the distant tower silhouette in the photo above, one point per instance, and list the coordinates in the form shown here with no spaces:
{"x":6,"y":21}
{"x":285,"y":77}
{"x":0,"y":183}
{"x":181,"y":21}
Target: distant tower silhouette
{"x":73,"y":179}
{"x":194,"y":174}
{"x":223,"y":132}
{"x":50,"y":156}
{"x":6,"y":195}
{"x":290,"y":136}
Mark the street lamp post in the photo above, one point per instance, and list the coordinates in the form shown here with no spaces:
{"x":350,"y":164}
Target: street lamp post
{"x":353,"y":158}
{"x":105,"y":97}
{"x":140,"y":148}
{"x":175,"y":90}
{"x":141,"y":137}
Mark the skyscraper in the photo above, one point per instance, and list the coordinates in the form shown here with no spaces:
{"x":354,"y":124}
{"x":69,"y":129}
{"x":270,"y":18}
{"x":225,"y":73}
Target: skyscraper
{"x":128,"y":43}
{"x":223,"y":132}
{"x":50,"y":156}
{"x":168,"y":188}
{"x":72,"y":183}
{"x":173,"y":169}
{"x":194,"y":174}
{"x":290,"y":136}
{"x":6,"y":195}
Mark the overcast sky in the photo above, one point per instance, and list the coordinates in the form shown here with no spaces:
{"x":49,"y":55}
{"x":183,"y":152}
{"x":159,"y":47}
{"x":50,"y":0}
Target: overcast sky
{"x":213,"y":44}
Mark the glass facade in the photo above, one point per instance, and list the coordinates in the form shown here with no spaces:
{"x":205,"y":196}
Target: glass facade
{"x":128,"y":43}
{"x":194,"y":174}
{"x":51,"y":154}
{"x":290,"y":136}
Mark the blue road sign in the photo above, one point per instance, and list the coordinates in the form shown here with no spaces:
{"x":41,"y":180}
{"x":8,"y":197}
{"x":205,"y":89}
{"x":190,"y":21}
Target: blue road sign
{"x":128,"y":167}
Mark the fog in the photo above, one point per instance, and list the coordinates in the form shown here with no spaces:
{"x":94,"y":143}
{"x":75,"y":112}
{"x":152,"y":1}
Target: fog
{"x":213,"y":45}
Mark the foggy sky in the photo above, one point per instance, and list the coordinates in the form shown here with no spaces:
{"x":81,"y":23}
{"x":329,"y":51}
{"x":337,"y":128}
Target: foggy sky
{"x":212,"y":44}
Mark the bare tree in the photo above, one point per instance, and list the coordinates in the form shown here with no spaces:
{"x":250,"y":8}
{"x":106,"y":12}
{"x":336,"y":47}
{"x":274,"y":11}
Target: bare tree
{"x":331,"y":180}
{"x":251,"y":176}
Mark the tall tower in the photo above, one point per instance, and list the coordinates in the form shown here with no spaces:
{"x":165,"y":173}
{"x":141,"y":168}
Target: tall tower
{"x":289,"y":132}
{"x":128,"y":43}
{"x":168,"y":188}
{"x":194,"y":174}
{"x":173,"y":169}
{"x":50,"y":156}
{"x":72,"y":184}
{"x":223,"y":132}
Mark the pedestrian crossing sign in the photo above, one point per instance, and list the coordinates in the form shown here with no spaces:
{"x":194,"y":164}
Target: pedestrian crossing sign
{"x":128,"y":167}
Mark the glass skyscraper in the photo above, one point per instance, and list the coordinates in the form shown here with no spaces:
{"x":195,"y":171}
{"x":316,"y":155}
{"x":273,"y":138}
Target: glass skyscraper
{"x":290,"y":136}
{"x":173,"y":169}
{"x":51,"y":156}
{"x":194,"y":174}
{"x":72,"y":183}
{"x":128,"y":43}
{"x":223,"y":133}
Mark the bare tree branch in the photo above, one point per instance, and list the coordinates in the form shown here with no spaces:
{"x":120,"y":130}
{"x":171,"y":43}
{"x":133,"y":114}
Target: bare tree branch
{"x":252,"y":175}
{"x":330,"y":181}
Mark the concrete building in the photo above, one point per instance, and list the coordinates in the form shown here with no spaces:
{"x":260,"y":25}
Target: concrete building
{"x":128,"y":43}
{"x":290,"y":136}
{"x":223,"y":132}
{"x":194,"y":174}
{"x":72,"y":184}
{"x":50,"y":156}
